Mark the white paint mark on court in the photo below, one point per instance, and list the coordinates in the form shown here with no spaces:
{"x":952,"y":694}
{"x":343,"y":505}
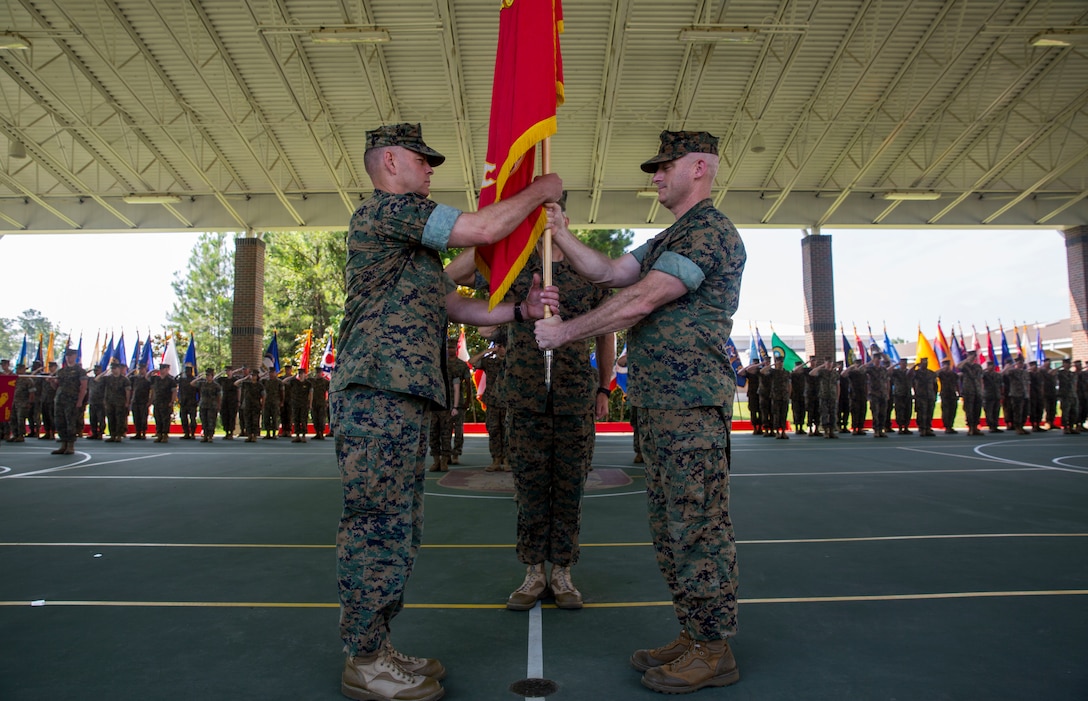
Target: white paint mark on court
{"x":1078,"y":468}
{"x":979,"y":450}
{"x":535,"y":666}
{"x":84,"y":463}
{"x":86,"y":457}
{"x":4,"y":469}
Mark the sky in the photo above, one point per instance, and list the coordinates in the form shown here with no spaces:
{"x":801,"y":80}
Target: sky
{"x":97,"y":282}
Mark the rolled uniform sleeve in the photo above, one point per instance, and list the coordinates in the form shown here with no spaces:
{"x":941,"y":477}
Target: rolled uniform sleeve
{"x":436,"y":232}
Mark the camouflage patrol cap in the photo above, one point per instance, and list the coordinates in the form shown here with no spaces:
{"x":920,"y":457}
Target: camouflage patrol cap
{"x":409,"y":136}
{"x":675,"y":144}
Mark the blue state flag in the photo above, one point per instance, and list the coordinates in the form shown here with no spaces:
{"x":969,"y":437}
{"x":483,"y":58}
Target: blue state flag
{"x":889,"y":348}
{"x":119,"y":351}
{"x":190,"y":353}
{"x":272,"y":355}
{"x":734,"y":360}
{"x":21,"y":358}
{"x":104,"y":361}
{"x":148,"y":358}
{"x":763,"y":354}
{"x":1040,"y":356}
{"x":1006,"y":356}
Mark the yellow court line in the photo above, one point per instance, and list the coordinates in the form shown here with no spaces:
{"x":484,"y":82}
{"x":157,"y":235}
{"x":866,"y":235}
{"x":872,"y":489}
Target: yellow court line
{"x":500,"y":546}
{"x":615,"y":604}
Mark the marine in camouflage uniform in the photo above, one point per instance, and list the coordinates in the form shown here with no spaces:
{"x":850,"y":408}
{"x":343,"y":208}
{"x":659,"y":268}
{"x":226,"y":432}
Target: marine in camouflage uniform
{"x":971,"y":388}
{"x":1036,"y":397}
{"x":48,"y":396}
{"x":164,"y":392}
{"x":1016,"y":376}
{"x":71,"y":387}
{"x":925,"y":395}
{"x":1082,"y":394}
{"x":812,"y":397}
{"x":96,"y":397}
{"x":493,"y":364}
{"x":682,"y":381}
{"x":766,"y":406}
{"x":797,"y":396}
{"x":902,"y":396}
{"x":1050,"y":395}
{"x":23,"y":403}
{"x":228,"y":408}
{"x":251,"y":390}
{"x":141,"y":399}
{"x":859,"y":388}
{"x":442,"y":421}
{"x":777,"y":381}
{"x":827,"y":390}
{"x":950,"y":395}
{"x":272,"y":407}
{"x":187,"y":403}
{"x":460,"y":375}
{"x":211,"y":396}
{"x":879,"y":388}
{"x":118,"y":396}
{"x":844,"y":401}
{"x":991,"y":396}
{"x":551,"y":437}
{"x":299,"y":391}
{"x":319,"y":405}
{"x":389,"y":372}
{"x":1067,"y":394}
{"x":755,"y":409}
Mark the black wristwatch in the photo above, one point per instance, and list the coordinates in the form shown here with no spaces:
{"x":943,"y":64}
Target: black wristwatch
{"x":517,"y":313}
{"x":605,"y":391}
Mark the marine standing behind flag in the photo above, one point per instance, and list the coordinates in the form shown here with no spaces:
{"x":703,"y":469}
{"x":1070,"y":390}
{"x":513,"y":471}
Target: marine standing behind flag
{"x":527,"y":90}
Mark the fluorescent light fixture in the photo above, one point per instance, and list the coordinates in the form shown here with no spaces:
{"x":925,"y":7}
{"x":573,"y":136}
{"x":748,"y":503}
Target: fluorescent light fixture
{"x":151,"y":198}
{"x":16,"y":150}
{"x":364,"y":35}
{"x":647,"y":192}
{"x":912,"y":196}
{"x":707,"y":33}
{"x":13,"y":42}
{"x":1073,"y":36}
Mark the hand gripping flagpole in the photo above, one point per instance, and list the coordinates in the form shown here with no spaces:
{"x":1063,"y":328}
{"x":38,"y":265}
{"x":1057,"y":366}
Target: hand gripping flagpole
{"x":546,"y":157}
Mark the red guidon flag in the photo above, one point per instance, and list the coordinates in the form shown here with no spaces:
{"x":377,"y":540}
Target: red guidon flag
{"x":7,"y":396}
{"x":527,"y":89}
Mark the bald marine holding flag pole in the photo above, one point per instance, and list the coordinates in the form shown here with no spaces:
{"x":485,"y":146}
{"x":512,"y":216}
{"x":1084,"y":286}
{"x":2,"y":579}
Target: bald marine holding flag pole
{"x":390,"y":371}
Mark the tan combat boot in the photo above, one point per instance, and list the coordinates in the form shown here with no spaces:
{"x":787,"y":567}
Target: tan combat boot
{"x":705,"y":663}
{"x":61,"y":450}
{"x":643,"y":660}
{"x":427,"y":666}
{"x":526,"y":596}
{"x":379,"y":676}
{"x":566,"y":594}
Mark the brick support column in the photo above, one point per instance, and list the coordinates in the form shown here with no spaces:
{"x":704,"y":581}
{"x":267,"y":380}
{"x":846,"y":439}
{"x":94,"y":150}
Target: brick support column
{"x":1076,"y":259}
{"x":819,"y":284}
{"x":247,"y":323}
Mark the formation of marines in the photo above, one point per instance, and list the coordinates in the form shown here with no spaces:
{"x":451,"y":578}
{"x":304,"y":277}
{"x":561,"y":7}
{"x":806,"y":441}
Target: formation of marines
{"x":826,"y":398}
{"x":115,"y":404}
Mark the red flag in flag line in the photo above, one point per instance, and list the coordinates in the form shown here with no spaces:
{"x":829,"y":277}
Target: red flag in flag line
{"x":462,"y":346}
{"x":527,"y":89}
{"x":304,"y":361}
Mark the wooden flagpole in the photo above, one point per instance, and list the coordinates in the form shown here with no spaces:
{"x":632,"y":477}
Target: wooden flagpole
{"x":546,"y":167}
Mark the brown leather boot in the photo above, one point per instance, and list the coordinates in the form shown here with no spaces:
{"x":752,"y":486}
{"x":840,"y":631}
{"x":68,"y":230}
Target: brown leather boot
{"x":379,"y":676}
{"x":565,"y":593}
{"x":643,"y":660}
{"x":61,"y":450}
{"x":705,"y":663}
{"x":526,"y":596}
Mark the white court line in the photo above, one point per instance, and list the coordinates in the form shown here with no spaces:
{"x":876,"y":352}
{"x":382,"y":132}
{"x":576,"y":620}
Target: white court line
{"x":84,"y":463}
{"x":86,"y":457}
{"x":535,"y":664}
{"x":1058,"y":461}
{"x":978,"y":450}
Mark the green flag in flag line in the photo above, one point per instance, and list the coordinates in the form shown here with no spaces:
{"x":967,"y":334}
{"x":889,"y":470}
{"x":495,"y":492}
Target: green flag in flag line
{"x":789,"y":357}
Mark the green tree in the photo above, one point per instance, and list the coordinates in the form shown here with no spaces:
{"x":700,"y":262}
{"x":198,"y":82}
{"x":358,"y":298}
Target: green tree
{"x":304,"y":285}
{"x":611,"y":242}
{"x":204,"y":304}
{"x":32,"y":323}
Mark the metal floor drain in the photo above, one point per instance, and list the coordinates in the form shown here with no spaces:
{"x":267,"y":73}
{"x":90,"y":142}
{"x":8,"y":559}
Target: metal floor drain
{"x":534,"y":687}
